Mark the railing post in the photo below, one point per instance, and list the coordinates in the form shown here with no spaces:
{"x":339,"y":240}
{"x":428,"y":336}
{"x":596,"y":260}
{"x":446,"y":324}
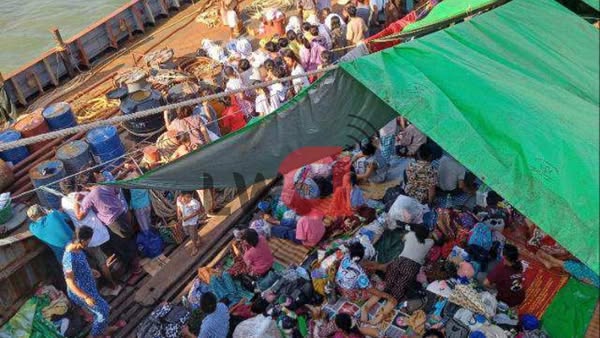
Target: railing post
{"x":61,"y":49}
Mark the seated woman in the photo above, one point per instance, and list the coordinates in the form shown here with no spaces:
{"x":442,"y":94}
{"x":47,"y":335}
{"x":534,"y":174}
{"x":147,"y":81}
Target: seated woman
{"x":313,"y":180}
{"x":354,"y":284}
{"x":254,"y":257}
{"x":370,"y":165}
{"x":421,"y":177}
{"x":402,"y":271}
{"x":310,"y":230}
{"x":507,"y":278}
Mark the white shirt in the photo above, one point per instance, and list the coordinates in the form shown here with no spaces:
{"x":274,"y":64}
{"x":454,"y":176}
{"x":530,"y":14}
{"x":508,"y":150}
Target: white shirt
{"x":277,"y":90}
{"x":264,"y":106}
{"x":300,"y":82}
{"x":234,"y":84}
{"x":188,"y":209}
{"x":414,"y":250}
{"x":100,"y":235}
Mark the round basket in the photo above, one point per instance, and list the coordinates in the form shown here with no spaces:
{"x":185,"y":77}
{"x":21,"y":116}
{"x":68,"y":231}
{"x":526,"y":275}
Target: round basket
{"x":201,"y":67}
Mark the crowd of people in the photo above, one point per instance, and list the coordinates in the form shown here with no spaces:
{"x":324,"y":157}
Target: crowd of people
{"x":448,"y":237}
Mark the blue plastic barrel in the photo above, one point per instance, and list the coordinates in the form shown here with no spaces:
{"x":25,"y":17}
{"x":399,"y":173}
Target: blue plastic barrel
{"x":46,"y":174}
{"x":105,"y":144}
{"x":75,"y":155}
{"x":59,"y":116}
{"x":14,"y":155}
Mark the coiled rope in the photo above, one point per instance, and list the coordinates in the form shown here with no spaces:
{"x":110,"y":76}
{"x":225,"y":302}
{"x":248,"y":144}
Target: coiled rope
{"x":123,"y":118}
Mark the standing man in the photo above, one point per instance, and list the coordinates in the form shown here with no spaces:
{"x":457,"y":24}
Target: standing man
{"x":51,"y":228}
{"x":112,"y":211}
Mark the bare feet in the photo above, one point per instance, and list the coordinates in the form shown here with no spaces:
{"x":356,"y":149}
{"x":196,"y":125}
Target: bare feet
{"x":541,"y":256}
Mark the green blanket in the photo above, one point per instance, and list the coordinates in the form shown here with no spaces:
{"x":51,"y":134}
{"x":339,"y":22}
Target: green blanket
{"x":571,"y":311}
{"x":389,"y":246}
{"x":29,"y":322}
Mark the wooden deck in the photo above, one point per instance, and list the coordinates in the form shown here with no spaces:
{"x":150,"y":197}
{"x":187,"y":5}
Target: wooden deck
{"x":593,"y":330}
{"x":172,"y":280}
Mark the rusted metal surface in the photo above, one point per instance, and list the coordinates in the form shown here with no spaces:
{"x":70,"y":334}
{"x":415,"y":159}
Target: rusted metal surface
{"x":94,"y":41}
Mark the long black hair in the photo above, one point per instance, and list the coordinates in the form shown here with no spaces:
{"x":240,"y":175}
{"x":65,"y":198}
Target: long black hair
{"x":82,"y":234}
{"x":421,"y":233}
{"x":511,"y":254}
{"x":344,"y":322}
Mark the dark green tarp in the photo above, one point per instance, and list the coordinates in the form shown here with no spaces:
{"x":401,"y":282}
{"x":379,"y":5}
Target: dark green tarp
{"x":335,"y":111}
{"x":513,"y":94}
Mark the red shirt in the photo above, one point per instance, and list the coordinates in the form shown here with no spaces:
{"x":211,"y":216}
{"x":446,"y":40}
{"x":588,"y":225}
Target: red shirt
{"x":259,"y":258}
{"x":509,"y":283}
{"x":233,"y":119}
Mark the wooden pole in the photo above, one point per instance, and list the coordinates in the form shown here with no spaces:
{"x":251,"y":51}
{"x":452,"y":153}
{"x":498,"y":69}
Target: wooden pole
{"x":61,"y":49}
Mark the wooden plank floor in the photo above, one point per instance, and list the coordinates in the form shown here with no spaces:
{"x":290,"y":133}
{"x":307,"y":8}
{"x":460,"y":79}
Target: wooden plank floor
{"x":594,"y":328}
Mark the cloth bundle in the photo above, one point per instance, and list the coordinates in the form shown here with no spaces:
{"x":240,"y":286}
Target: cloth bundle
{"x":467,"y":297}
{"x":59,"y":303}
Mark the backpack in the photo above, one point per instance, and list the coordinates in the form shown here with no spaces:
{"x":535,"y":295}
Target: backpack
{"x":456,"y":329}
{"x":166,"y":321}
{"x":481,"y":236}
{"x":149,"y":243}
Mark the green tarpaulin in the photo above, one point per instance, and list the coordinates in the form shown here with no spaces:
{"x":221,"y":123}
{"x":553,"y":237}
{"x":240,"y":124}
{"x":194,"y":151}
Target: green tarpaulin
{"x":513,"y":94}
{"x":447,"y":10}
{"x":571,"y":310}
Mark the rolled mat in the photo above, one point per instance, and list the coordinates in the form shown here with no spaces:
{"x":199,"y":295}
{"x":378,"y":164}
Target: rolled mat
{"x":570,"y":312}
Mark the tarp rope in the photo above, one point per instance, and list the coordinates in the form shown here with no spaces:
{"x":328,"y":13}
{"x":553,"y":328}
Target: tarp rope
{"x":144,"y":113}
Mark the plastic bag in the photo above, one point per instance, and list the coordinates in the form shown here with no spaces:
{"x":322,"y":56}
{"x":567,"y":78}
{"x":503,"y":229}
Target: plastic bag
{"x":149,"y":243}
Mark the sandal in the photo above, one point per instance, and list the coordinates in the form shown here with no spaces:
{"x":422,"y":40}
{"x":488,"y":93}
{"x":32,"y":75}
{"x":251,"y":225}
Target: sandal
{"x":120,"y":324}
